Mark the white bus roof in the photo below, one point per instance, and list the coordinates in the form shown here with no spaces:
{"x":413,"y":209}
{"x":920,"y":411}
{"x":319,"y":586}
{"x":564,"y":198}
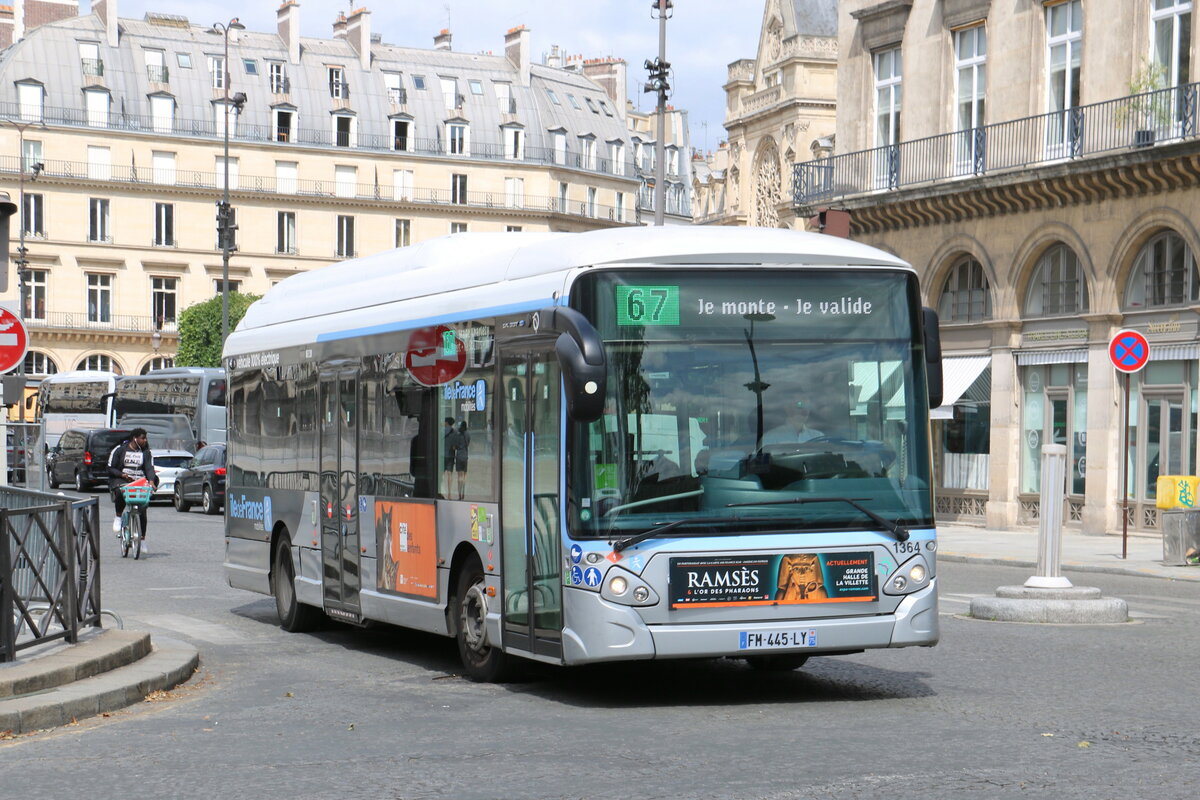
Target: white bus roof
{"x":473,"y":260}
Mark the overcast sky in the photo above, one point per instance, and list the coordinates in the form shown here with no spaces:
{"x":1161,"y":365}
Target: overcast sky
{"x":703,"y":36}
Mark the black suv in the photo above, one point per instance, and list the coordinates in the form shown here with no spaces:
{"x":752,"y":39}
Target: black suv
{"x":81,"y":457}
{"x":203,"y":480}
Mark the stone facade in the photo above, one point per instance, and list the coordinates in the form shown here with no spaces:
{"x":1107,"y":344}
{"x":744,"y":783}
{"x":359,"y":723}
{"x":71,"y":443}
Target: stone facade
{"x":1064,"y":211}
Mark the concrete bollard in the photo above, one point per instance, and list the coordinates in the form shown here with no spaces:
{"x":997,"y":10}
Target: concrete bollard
{"x":1054,"y":476}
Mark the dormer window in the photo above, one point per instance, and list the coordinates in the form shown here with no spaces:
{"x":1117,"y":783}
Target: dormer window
{"x":276,"y":78}
{"x":395,"y":92}
{"x":457,"y":138}
{"x":89,"y":59}
{"x":216,"y":67}
{"x":31,"y":97}
{"x":514,"y":142}
{"x":338,"y":88}
{"x":587,"y":152}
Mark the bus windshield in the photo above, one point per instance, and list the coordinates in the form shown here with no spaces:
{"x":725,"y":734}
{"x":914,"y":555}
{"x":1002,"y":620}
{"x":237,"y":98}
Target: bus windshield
{"x":750,"y":401}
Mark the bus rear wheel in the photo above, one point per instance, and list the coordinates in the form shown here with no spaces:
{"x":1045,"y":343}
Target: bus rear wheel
{"x":294,"y":616}
{"x":482,"y":661}
{"x":779,"y":662}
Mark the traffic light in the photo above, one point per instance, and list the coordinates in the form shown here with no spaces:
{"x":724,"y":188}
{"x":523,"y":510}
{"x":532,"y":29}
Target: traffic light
{"x":7,"y":209}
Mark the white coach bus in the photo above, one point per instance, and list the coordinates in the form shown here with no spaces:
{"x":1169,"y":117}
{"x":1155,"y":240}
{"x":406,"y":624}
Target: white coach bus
{"x":643,"y":443}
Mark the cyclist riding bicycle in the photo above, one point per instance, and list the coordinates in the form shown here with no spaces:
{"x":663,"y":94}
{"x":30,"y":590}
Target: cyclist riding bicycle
{"x":129,"y":461}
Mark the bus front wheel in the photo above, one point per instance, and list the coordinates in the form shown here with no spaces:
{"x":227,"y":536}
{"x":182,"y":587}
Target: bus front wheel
{"x":482,"y":661}
{"x":294,"y":616}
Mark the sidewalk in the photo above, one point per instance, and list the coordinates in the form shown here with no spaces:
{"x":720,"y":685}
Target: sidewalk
{"x":1080,"y":552}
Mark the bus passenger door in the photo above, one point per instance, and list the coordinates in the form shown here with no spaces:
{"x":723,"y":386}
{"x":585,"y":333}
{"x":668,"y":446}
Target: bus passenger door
{"x":339,"y":494}
{"x":529,"y":480}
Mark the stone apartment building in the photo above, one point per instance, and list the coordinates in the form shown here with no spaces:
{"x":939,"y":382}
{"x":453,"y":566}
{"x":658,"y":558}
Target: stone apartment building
{"x":1039,"y":163}
{"x":343,"y":145}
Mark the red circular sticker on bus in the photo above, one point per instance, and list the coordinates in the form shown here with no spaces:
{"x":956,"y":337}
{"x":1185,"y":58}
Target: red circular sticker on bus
{"x":435,"y":355}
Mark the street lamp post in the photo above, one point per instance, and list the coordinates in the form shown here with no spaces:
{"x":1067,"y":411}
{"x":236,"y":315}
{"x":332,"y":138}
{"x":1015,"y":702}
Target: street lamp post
{"x":660,"y":70}
{"x":22,"y":262}
{"x":223,"y":225}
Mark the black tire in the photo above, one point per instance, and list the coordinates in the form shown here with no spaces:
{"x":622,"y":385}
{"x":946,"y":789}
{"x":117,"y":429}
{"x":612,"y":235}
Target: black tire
{"x":135,"y":534}
{"x":294,"y":617}
{"x":81,"y":485}
{"x":481,"y":661}
{"x":778,"y":662}
{"x":50,"y":479}
{"x":178,"y":501}
{"x":208,"y":502}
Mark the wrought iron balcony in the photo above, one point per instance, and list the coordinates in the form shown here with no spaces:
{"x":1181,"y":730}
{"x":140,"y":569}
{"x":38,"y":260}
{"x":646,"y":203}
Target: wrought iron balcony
{"x":1127,"y":123}
{"x":273,"y":185}
{"x":117,"y":323}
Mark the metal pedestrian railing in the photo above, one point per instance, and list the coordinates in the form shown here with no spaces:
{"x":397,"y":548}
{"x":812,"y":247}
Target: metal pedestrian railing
{"x":49,"y":568}
{"x":1126,"y":123}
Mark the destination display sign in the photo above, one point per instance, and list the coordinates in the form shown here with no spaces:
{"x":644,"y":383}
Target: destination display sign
{"x":766,"y":304}
{"x":783,"y":579}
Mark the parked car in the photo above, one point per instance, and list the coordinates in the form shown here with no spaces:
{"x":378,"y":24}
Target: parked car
{"x":167,"y":466}
{"x":81,"y":457}
{"x":203,"y":481}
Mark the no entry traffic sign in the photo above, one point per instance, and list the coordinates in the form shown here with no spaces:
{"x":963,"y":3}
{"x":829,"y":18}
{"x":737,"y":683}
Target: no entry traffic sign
{"x":1129,"y":351}
{"x":435,"y":355}
{"x":14,"y":341}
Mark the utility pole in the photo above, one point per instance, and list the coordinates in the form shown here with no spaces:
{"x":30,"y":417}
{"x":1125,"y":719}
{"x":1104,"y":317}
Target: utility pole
{"x":22,"y":262}
{"x":659,"y":70}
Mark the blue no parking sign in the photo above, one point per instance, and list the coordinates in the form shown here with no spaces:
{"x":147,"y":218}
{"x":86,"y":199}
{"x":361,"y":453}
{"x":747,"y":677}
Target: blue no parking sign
{"x":1129,"y":351}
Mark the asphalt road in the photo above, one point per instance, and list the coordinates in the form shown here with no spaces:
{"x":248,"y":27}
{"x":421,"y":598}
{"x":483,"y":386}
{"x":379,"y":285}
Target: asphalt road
{"x":995,"y":710}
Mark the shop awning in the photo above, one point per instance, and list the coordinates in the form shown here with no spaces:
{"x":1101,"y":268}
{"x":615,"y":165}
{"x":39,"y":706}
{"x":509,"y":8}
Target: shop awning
{"x":957,"y":376}
{"x":1031,"y":358}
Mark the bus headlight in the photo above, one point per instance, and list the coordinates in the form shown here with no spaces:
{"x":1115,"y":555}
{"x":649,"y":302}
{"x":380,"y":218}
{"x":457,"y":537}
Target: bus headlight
{"x":622,"y":586}
{"x":912,"y":575}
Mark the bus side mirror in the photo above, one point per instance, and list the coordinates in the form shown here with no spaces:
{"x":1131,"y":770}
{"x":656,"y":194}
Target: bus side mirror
{"x":581,"y":357}
{"x":933,"y":355}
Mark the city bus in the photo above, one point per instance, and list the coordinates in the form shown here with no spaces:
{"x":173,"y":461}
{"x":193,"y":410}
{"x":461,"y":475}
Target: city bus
{"x":197,"y":393}
{"x":75,"y":399}
{"x":563,"y":447}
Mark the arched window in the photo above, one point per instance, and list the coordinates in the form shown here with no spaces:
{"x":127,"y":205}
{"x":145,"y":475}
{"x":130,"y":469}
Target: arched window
{"x":966,"y":296}
{"x":1163,"y":275}
{"x":1058,"y":285}
{"x":39,"y":364}
{"x":99,"y":363}
{"x":159,"y":362}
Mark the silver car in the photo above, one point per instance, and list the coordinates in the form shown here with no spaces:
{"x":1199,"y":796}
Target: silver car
{"x":167,"y":465}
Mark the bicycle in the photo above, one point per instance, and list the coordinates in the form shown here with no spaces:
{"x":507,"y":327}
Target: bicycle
{"x":136,"y":498}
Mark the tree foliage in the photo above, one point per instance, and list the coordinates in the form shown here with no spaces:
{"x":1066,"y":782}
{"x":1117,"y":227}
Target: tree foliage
{"x":200,"y":329}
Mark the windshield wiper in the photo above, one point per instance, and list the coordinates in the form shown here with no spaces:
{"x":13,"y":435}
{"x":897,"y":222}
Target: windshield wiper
{"x":896,"y":530}
{"x":658,"y":530}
